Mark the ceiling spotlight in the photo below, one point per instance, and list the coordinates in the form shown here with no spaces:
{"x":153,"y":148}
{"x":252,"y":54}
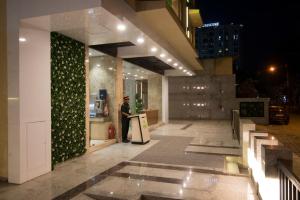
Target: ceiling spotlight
{"x":135,"y":75}
{"x":175,"y":64}
{"x":22,"y":39}
{"x":169,"y":60}
{"x":91,"y":11}
{"x":162,"y":55}
{"x":140,"y":40}
{"x":153,"y":49}
{"x":98,"y":65}
{"x":142,"y":77}
{"x":128,"y":73}
{"x":184,"y":70}
{"x":90,"y":54}
{"x":110,"y":68}
{"x":121,"y":27}
{"x":180,"y":67}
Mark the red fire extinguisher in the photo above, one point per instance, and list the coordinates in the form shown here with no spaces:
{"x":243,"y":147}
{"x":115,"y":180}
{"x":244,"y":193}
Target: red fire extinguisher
{"x":111,"y":132}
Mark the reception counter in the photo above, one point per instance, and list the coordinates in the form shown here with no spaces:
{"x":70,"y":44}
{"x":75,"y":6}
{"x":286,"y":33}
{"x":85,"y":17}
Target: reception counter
{"x":99,"y":129}
{"x":152,"y":116}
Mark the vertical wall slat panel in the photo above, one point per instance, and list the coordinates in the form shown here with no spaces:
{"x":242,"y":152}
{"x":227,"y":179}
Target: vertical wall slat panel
{"x":3,"y":92}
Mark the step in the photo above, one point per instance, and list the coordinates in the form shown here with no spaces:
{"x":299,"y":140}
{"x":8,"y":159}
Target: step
{"x":232,"y":168}
{"x":214,"y":150}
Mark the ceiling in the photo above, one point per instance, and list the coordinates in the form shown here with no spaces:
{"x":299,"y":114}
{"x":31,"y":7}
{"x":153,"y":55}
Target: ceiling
{"x":150,"y":63}
{"x":98,"y":28}
{"x":111,"y":48}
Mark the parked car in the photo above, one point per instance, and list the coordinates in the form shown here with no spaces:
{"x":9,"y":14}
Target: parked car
{"x":279,"y":115}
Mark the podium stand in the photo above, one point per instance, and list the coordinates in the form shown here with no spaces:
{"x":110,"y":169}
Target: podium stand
{"x":139,"y":129}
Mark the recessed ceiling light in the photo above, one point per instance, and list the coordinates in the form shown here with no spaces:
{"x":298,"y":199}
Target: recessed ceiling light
{"x":121,"y":27}
{"x":86,"y":60}
{"x":162,"y":55}
{"x":184,"y":70}
{"x":180,"y":67}
{"x":140,"y":40}
{"x":142,"y":77}
{"x":91,"y":11}
{"x":175,"y":64}
{"x":22,"y":39}
{"x":110,"y":68}
{"x":128,"y":73}
{"x":135,"y":75}
{"x":98,"y":65}
{"x":169,"y":60}
{"x":90,"y":54}
{"x":153,"y":49}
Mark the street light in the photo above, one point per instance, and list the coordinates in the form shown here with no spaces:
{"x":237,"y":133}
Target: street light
{"x":272,"y":69}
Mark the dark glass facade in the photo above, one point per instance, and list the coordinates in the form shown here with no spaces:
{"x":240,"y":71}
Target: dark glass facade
{"x":214,"y":40}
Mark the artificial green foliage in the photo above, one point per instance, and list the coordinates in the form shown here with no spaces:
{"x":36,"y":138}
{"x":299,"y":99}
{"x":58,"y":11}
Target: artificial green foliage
{"x":67,"y":98}
{"x":138,"y":104}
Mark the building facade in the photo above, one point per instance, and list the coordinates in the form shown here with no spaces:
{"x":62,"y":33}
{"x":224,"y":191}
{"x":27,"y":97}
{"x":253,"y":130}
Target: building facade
{"x":215,"y":40}
{"x":60,"y":56}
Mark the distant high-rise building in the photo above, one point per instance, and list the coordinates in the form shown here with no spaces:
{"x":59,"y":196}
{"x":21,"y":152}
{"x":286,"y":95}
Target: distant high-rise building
{"x":215,"y":40}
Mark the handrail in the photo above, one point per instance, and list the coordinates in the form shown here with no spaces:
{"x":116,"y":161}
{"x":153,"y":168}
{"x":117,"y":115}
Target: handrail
{"x":235,"y":123}
{"x":289,"y":183}
{"x":288,"y":173}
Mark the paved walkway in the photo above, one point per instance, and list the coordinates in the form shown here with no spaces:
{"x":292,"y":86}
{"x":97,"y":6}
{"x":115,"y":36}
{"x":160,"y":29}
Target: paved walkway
{"x":289,"y":135}
{"x":119,"y":171}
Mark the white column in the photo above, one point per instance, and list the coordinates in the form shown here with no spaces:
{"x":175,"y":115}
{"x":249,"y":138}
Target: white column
{"x":30,"y":147}
{"x":165,"y":99}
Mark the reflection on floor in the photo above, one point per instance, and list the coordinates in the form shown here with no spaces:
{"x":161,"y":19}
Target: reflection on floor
{"x":162,"y":169}
{"x":97,"y":142}
{"x":132,"y":180}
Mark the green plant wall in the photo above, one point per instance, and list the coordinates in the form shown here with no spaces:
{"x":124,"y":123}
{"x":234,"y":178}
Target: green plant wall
{"x":67,"y":98}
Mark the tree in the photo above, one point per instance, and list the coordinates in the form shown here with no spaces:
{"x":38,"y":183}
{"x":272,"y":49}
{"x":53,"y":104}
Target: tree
{"x":138,"y":104}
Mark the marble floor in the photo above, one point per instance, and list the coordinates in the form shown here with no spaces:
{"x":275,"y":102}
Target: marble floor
{"x":115,"y":173}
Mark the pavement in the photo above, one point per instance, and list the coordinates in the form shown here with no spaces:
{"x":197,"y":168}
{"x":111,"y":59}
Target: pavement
{"x":289,"y":134}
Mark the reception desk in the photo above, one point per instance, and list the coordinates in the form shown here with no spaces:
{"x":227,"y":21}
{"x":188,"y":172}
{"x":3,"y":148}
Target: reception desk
{"x":152,"y":116}
{"x":99,"y":129}
{"x":139,"y":129}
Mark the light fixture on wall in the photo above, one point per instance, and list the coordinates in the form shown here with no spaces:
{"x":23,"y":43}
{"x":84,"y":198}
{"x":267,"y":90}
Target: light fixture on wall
{"x":22,"y":39}
{"x":121,"y":27}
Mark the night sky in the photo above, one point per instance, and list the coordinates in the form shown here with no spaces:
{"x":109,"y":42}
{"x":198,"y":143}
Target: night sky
{"x":271,"y":31}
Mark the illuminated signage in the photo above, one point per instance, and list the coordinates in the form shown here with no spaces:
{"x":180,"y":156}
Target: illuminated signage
{"x":211,"y":24}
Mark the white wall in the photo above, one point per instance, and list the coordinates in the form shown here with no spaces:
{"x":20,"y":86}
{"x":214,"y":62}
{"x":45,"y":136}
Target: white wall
{"x":31,"y":155}
{"x":18,"y":113}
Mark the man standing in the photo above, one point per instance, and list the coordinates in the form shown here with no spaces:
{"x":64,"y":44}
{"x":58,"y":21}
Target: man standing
{"x":125,"y":110}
